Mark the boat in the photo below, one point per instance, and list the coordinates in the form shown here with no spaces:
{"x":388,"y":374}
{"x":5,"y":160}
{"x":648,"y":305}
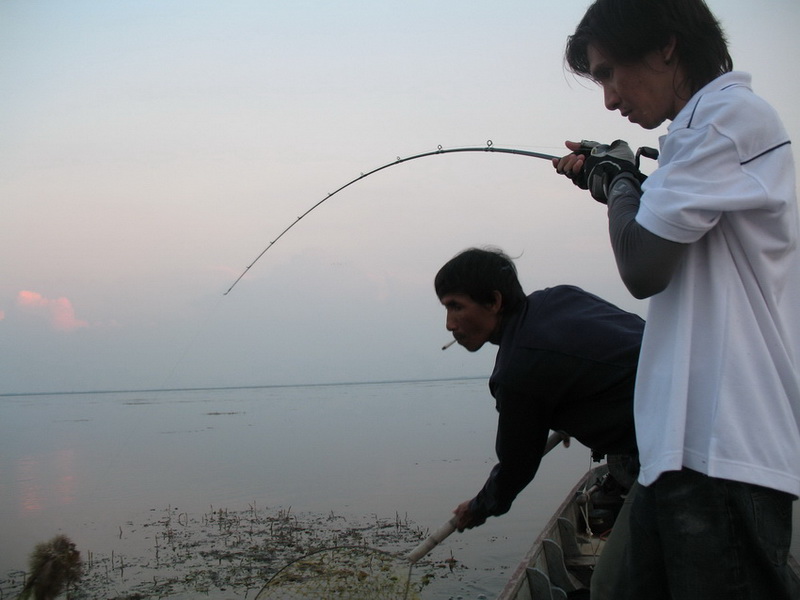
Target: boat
{"x":560,"y":563}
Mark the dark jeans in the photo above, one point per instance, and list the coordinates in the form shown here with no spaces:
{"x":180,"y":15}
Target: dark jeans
{"x":695,"y":537}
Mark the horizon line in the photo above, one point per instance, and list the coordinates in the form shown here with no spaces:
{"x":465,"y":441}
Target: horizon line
{"x":236,"y":387}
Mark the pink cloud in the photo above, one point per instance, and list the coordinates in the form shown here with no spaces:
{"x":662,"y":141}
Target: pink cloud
{"x":58,"y":311}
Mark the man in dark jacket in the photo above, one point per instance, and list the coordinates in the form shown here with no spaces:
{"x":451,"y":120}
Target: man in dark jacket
{"x":566,"y":362}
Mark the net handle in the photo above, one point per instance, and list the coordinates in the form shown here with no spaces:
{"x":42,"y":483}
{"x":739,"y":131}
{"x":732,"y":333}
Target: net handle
{"x":433,"y":540}
{"x":441,"y":534}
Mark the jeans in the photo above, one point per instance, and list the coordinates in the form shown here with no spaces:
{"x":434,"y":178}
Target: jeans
{"x":611,"y":564}
{"x":694,"y":537}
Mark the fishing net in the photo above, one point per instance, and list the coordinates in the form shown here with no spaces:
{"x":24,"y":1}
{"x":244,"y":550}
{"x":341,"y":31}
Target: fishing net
{"x":359,"y":572}
{"x":351,"y":572}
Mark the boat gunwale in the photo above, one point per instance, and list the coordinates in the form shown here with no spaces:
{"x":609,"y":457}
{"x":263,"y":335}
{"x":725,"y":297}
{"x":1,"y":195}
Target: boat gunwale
{"x":518,"y":577}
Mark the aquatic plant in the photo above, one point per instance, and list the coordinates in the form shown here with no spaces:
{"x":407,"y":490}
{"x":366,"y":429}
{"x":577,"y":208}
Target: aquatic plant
{"x":54,"y":566}
{"x":223,"y":553}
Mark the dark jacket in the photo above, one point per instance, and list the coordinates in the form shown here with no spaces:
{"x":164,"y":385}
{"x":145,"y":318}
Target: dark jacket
{"x":567,"y":362}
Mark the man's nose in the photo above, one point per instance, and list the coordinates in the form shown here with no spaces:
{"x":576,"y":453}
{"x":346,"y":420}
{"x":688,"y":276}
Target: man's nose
{"x":610,"y":97}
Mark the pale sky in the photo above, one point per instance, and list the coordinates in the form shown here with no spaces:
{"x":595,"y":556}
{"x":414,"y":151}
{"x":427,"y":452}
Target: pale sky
{"x":150,"y":150}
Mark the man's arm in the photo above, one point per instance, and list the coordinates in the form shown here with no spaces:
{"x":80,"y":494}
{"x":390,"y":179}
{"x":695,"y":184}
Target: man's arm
{"x":521,"y":437}
{"x":646,"y":262}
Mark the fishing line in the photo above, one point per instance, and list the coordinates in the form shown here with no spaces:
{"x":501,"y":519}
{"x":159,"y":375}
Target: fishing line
{"x":489,"y":147}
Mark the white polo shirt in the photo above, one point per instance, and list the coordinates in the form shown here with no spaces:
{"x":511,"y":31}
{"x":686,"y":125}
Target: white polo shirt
{"x":717,"y":388}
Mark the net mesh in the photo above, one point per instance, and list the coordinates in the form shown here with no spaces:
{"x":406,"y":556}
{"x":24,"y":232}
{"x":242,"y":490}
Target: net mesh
{"x":351,"y":572}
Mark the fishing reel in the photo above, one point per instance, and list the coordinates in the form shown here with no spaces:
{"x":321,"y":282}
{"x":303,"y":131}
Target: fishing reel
{"x":587,"y":147}
{"x":647,"y":152}
{"x":604,"y":162}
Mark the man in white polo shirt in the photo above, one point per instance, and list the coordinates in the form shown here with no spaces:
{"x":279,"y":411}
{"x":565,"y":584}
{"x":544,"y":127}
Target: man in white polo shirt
{"x":711,"y":237}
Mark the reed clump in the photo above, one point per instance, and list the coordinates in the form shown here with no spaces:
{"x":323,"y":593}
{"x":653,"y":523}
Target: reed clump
{"x":54,"y":566}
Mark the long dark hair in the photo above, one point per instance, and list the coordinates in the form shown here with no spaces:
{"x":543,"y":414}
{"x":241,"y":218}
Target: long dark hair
{"x":627,"y":30}
{"x":478,"y":273}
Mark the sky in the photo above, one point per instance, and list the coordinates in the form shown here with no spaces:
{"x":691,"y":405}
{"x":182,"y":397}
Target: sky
{"x":150,"y":150}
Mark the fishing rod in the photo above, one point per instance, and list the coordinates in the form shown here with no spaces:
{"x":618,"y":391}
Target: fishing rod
{"x":489,"y":147}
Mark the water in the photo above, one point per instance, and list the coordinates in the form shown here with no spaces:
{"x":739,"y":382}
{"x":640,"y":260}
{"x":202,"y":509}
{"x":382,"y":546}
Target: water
{"x":95,"y":466}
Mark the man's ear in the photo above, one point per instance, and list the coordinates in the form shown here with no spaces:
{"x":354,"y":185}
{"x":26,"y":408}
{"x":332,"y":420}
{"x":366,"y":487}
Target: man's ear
{"x":497,"y":303}
{"x":668,"y":52}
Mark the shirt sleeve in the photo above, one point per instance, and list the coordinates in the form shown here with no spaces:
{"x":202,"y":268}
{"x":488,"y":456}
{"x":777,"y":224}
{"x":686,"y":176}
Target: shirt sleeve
{"x":521,"y":437}
{"x":703,"y":168}
{"x":645,"y":261}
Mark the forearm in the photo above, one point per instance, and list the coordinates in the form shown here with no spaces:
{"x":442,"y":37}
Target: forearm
{"x":645,"y":261}
{"x":505,"y":482}
{"x":521,"y":437}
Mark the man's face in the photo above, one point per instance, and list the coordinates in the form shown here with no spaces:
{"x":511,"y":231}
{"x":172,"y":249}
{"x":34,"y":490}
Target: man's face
{"x":646,"y":93}
{"x":471,"y":323}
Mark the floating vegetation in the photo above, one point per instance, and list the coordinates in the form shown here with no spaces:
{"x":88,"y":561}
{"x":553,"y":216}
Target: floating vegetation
{"x":223,"y":554}
{"x":351,"y":572}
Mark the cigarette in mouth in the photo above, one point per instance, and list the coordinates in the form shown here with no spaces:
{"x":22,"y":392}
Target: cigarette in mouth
{"x":448,"y":344}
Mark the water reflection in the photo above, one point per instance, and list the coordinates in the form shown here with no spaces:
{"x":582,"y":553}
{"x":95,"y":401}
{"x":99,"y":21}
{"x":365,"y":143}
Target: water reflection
{"x":66,"y":478}
{"x":45,"y":481}
{"x":28,"y":481}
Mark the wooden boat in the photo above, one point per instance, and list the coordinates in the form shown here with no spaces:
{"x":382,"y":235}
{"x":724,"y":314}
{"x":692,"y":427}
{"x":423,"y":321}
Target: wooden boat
{"x":560,"y":563}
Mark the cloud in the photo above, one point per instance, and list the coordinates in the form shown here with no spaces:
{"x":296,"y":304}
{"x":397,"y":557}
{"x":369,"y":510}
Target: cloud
{"x":58,"y":312}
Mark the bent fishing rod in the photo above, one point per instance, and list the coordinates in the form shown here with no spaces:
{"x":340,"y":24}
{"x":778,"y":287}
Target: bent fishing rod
{"x":489,"y":147}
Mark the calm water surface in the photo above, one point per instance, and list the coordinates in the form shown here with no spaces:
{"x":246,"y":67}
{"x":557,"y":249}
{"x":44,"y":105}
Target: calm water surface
{"x":89,"y":465}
